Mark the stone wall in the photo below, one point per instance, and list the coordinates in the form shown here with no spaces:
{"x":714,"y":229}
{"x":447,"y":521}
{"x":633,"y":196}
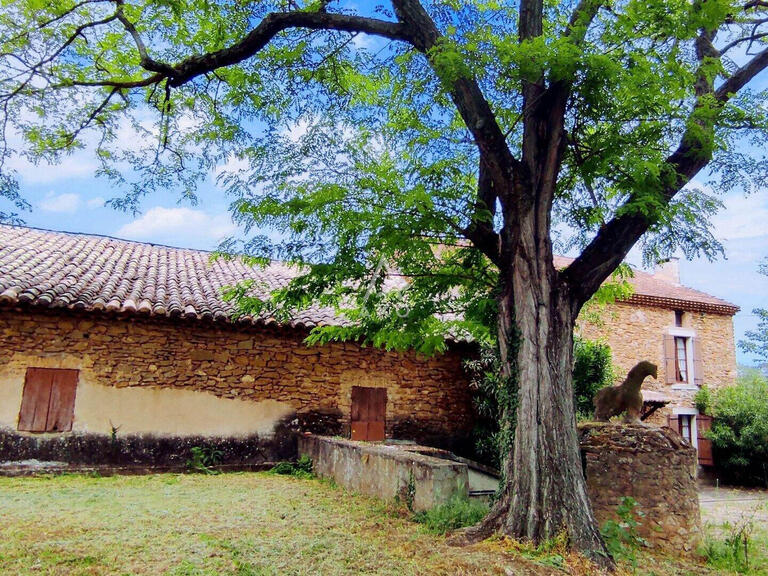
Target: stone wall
{"x":386,"y":472}
{"x":636,"y":333}
{"x":656,"y":468}
{"x":263,"y":374}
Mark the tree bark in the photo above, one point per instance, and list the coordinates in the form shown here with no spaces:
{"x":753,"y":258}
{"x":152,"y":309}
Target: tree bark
{"x":545,"y":493}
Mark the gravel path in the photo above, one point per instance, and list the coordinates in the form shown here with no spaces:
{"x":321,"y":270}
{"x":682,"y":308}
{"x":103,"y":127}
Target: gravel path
{"x":733,"y":505}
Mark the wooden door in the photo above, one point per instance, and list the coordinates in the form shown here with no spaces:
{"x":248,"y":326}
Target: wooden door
{"x":704,"y":444}
{"x":369,"y":409}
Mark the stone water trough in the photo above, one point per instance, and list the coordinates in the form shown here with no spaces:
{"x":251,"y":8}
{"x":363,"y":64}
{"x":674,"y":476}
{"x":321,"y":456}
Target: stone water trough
{"x":654,"y":466}
{"x":426,"y":476}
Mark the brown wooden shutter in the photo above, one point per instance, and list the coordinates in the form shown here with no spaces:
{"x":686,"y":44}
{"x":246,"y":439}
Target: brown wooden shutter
{"x":35,"y":400}
{"x":673,"y":422}
{"x":704,"y":444}
{"x":359,"y":416}
{"x":669,"y":359}
{"x":48,"y":400}
{"x":62,"y":407}
{"x":698,"y":364}
{"x":377,"y":410}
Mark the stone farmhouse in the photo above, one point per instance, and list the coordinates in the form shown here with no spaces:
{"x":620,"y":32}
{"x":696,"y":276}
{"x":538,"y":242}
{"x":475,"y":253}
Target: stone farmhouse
{"x":123,"y":352}
{"x":688,"y":334}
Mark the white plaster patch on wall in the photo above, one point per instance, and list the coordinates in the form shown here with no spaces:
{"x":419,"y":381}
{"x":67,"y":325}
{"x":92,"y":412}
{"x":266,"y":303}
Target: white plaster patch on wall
{"x":10,"y":401}
{"x":142,"y":410}
{"x":172,"y":412}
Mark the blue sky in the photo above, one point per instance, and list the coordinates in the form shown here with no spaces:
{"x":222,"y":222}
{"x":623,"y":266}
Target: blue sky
{"x":68,"y":197}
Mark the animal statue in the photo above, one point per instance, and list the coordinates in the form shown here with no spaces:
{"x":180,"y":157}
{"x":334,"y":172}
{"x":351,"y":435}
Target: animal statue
{"x":626,"y":397}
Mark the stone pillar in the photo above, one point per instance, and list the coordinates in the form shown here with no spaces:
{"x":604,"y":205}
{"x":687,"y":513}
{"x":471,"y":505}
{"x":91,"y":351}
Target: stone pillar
{"x":657,"y":468}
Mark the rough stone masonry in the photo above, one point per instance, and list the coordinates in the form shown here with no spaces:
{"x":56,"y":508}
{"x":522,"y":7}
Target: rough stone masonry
{"x":657,"y":468}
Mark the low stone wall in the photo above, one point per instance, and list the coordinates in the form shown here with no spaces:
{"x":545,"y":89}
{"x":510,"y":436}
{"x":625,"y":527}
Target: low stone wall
{"x":386,"y":472}
{"x":657,"y":468}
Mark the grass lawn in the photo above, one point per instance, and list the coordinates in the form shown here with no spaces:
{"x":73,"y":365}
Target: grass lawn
{"x":242,"y":524}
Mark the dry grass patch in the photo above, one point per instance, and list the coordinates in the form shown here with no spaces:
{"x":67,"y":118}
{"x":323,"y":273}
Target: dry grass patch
{"x":247,"y":524}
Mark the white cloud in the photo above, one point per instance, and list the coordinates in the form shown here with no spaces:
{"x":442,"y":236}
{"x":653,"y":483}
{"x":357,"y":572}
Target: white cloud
{"x":97,"y":202}
{"x":78,"y":165}
{"x":66,"y":203}
{"x":180,"y":226}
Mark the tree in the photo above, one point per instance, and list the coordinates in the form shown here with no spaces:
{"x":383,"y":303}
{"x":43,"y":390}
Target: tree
{"x":756,"y":342}
{"x":739,"y":431}
{"x":592,"y":371}
{"x":442,"y":141}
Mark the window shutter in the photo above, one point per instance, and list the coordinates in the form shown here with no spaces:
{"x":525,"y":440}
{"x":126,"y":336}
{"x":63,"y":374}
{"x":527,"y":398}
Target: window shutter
{"x":669,"y":359}
{"x":368,"y":417}
{"x":698,"y":364}
{"x":704,"y":444}
{"x":672,"y":422}
{"x":35,"y":400}
{"x":62,"y":408}
{"x":48,"y":400}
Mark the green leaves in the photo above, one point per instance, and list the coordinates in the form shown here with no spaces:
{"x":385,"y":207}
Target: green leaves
{"x":341,"y":150}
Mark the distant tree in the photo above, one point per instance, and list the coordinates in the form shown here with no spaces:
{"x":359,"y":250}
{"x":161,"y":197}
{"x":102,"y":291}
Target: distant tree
{"x":756,"y":342}
{"x":592,"y":370}
{"x":381,"y":136}
{"x":739,"y":431}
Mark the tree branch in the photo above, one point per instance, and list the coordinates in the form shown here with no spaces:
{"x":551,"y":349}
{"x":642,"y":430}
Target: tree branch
{"x":742,"y":76}
{"x":502,"y":167}
{"x":480,"y":229}
{"x":614,"y":240}
{"x":268,"y":28}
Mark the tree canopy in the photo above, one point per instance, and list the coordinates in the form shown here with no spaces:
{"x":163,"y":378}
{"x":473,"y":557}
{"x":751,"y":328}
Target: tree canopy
{"x":756,"y":341}
{"x":438,"y":149}
{"x":333,"y":129}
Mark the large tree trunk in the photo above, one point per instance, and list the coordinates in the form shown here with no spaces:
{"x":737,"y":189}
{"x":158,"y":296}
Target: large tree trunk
{"x":545,"y":493}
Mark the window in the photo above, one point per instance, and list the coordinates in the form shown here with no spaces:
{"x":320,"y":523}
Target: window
{"x":681,"y":359}
{"x":683,"y":365}
{"x":679,"y":318}
{"x":48,"y":400}
{"x":685,"y":425}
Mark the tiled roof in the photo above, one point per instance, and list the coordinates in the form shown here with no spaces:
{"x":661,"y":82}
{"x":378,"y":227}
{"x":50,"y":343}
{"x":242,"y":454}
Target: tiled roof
{"x":96,"y":273}
{"x":84,"y":272}
{"x":650,"y":290}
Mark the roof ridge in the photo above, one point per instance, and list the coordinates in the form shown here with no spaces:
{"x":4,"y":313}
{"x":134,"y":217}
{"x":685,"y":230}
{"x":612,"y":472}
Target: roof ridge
{"x":105,"y":237}
{"x":49,"y":267}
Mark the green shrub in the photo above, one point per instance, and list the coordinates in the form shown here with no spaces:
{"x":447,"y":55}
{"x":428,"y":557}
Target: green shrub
{"x":203,"y":458}
{"x":703,"y":400}
{"x":592,"y":370}
{"x":486,"y":384}
{"x":621,"y":537}
{"x":302,"y":468}
{"x":457,"y":513}
{"x":731,"y":552}
{"x":739,"y":431}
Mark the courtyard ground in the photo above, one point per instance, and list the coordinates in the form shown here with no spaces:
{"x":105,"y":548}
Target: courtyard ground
{"x":248,"y":524}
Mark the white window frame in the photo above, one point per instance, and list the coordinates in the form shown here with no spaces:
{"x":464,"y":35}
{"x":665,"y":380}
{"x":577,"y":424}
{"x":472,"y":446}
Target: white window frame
{"x":692,"y":412}
{"x":689,"y":335}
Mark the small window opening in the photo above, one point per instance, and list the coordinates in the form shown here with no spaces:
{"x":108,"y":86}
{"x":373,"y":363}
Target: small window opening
{"x":681,"y":359}
{"x":679,"y":318}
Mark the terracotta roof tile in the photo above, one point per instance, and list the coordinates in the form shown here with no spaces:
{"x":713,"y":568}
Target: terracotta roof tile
{"x":79,"y":271}
{"x":653,"y":291}
{"x":85,"y":272}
